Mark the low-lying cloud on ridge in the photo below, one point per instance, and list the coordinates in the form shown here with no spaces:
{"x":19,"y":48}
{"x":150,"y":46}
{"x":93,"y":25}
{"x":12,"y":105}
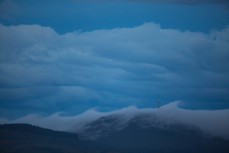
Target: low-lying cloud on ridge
{"x":213,"y":122}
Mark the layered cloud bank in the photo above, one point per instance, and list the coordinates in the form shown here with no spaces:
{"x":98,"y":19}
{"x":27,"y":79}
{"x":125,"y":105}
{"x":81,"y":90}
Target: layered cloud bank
{"x":189,"y":1}
{"x":212,"y":122}
{"x":47,"y":72}
{"x":173,"y":1}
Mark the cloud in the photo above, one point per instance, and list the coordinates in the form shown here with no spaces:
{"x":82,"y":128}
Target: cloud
{"x":189,"y":1}
{"x":213,"y":122}
{"x":110,"y":68}
{"x":174,"y":1}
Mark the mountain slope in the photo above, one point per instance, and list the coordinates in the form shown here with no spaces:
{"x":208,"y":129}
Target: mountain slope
{"x":147,"y":134}
{"x":131,"y":130}
{"x":18,"y":138}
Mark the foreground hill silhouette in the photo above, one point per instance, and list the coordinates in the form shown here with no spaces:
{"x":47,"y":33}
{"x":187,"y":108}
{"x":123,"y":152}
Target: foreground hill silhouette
{"x":25,"y":138}
{"x":103,"y":136}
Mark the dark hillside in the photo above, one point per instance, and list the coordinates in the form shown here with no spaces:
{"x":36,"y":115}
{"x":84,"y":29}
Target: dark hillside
{"x":24,"y":138}
{"x":142,"y":135}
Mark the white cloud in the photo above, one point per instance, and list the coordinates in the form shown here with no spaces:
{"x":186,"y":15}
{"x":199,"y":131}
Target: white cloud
{"x":211,"y":121}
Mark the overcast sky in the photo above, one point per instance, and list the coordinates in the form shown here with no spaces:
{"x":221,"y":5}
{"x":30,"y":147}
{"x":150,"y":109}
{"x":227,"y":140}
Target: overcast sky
{"x":73,"y":55}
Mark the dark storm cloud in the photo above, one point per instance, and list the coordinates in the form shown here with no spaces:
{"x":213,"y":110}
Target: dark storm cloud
{"x":111,"y":68}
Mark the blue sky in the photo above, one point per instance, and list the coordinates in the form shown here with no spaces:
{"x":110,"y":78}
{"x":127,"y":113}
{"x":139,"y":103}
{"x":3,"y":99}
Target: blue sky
{"x":91,"y":15}
{"x":70,"y":56}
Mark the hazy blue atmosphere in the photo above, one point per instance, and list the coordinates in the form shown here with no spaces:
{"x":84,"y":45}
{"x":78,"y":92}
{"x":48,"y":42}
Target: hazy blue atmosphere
{"x":70,"y":56}
{"x":114,"y":76}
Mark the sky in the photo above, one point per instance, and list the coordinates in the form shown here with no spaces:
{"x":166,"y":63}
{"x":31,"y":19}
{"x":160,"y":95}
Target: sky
{"x":72,"y":55}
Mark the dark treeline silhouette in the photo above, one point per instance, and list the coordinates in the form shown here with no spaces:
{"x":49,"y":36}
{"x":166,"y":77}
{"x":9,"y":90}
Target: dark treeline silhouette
{"x":25,"y":138}
{"x":133,"y":138}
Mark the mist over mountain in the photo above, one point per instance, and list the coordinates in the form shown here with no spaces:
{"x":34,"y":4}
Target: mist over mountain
{"x":211,"y":122}
{"x":111,"y":135}
{"x":146,"y":134}
{"x":131,"y":130}
{"x":104,"y":76}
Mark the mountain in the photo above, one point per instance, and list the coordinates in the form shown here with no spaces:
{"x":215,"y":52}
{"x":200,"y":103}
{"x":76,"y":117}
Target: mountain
{"x":166,"y":130}
{"x":25,"y":138}
{"x":146,"y":133}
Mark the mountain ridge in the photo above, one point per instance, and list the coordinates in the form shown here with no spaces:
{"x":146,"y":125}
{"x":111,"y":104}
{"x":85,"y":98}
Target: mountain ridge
{"x":147,"y":135}
{"x":144,"y":133}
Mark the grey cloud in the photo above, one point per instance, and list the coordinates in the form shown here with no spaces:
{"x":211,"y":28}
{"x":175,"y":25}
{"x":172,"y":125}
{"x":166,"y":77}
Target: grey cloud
{"x":117,"y":67}
{"x":189,"y":2}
